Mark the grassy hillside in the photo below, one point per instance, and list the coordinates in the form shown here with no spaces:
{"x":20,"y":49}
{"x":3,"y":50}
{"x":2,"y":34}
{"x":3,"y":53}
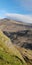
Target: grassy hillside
{"x":9,"y":55}
{"x":27,"y":55}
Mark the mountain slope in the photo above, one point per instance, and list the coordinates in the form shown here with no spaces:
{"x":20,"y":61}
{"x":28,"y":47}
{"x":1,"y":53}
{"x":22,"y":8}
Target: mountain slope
{"x":26,"y":54}
{"x":20,"y":43}
{"x":13,"y":26}
{"x":9,"y":55}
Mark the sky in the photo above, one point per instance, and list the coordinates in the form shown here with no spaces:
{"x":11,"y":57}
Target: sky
{"x":21,"y":9}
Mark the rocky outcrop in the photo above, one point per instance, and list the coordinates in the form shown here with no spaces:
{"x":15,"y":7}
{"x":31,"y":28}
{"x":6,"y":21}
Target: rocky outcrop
{"x":21,"y":38}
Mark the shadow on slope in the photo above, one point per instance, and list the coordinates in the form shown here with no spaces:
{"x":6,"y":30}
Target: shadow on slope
{"x":16,"y":38}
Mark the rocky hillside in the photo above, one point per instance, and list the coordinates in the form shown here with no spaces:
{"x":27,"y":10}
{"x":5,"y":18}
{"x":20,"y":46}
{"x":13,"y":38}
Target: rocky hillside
{"x":21,"y":38}
{"x":20,"y":35}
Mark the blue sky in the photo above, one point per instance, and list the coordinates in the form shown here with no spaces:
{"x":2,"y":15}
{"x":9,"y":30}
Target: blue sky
{"x":16,"y":6}
{"x":22,"y":7}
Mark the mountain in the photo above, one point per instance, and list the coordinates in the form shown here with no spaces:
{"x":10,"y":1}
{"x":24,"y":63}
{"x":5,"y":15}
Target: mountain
{"x":19,"y":35}
{"x":14,"y":26}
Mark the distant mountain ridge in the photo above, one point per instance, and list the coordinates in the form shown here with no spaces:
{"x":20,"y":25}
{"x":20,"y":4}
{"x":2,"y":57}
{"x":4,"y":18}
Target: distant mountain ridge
{"x":15,"y":20}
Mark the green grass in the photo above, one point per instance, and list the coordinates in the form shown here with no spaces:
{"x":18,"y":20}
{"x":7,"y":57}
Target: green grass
{"x":7,"y":59}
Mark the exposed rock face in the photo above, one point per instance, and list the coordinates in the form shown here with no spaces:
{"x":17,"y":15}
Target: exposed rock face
{"x":21,"y":38}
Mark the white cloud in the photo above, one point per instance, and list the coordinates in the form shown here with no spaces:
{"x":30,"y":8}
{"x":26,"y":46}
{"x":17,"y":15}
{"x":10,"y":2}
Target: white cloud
{"x":20,"y":17}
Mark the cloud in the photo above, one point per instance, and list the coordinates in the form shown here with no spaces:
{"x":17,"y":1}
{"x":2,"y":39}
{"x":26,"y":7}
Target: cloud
{"x":20,"y":17}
